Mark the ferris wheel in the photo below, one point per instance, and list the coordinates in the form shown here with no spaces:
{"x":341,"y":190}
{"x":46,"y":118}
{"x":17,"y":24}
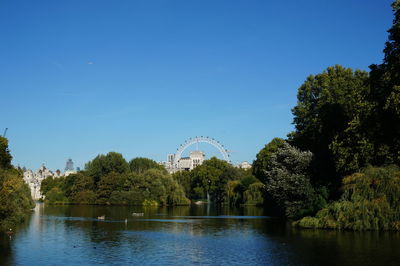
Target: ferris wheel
{"x":201,"y":139}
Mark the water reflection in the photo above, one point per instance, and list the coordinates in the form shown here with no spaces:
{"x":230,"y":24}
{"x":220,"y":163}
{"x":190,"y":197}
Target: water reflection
{"x":184,"y":235}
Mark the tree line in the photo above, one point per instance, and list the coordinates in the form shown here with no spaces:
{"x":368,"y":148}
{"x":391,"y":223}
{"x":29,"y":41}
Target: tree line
{"x":111,"y":180}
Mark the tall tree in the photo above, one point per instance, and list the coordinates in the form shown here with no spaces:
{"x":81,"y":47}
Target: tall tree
{"x":210,"y":179}
{"x":15,"y":195}
{"x":263,"y":158}
{"x":5,"y":156}
{"x":385,"y":94}
{"x":288,"y":181}
{"x":102,"y":165}
{"x":327,"y":104}
{"x":140,"y":165}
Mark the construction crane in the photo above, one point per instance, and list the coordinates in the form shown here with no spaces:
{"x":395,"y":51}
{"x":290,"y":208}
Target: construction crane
{"x":5,"y":131}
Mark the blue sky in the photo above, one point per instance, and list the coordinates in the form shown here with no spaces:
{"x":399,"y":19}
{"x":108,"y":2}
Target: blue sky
{"x":80,"y":78}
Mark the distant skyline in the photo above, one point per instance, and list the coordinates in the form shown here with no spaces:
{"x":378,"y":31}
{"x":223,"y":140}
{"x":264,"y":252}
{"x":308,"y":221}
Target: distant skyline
{"x":82,"y":78}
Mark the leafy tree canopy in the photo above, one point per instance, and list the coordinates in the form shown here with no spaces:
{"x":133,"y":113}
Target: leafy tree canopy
{"x":385,"y":95}
{"x":263,"y":158}
{"x":105,"y":164}
{"x":328,"y":119}
{"x":139,"y":165}
{"x":288,"y":181}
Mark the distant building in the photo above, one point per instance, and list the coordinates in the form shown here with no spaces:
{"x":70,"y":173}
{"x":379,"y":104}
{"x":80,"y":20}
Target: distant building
{"x":244,"y":165}
{"x":69,"y":168}
{"x":194,"y":159}
{"x":171,"y":158}
{"x":197,"y":158}
{"x":34,"y":180}
{"x":69,"y":165}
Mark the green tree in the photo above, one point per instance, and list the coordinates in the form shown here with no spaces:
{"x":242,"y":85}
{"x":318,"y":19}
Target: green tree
{"x":234,"y":193}
{"x":210,"y":178}
{"x":327,"y":120}
{"x":15,"y":198}
{"x":371,"y":201}
{"x":56,"y":196}
{"x":109,"y":183}
{"x":49,"y":183}
{"x":5,"y":156}
{"x":184,"y":179}
{"x":84,"y":197}
{"x":264,"y":156}
{"x":254,"y":194}
{"x":288,"y":181}
{"x":385,"y":97}
{"x":140,"y":165}
{"x":15,"y":195}
{"x":103,"y":165}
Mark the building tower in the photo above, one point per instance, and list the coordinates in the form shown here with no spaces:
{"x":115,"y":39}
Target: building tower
{"x":69,"y":166}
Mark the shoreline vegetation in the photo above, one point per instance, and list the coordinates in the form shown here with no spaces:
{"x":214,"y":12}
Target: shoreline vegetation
{"x":339,"y":168}
{"x":15,"y":197}
{"x":111,"y":180}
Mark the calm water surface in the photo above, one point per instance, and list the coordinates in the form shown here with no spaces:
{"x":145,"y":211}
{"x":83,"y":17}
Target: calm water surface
{"x":196,"y":235}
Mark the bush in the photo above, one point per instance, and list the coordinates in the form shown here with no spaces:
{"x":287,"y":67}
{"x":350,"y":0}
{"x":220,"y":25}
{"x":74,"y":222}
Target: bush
{"x":84,"y":197}
{"x":15,"y":198}
{"x":288,"y":182}
{"x":370,"y":202}
{"x":127,"y":198}
{"x":56,"y":196}
{"x":147,"y":202}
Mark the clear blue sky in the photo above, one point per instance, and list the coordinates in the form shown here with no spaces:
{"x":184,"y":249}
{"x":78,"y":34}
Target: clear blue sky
{"x":80,"y":78}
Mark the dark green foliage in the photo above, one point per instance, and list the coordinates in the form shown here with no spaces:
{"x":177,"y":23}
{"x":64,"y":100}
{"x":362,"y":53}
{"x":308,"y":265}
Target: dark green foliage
{"x":254,"y":194}
{"x":236,"y":190}
{"x":5,"y":156}
{"x":385,"y":97}
{"x":184,"y":179}
{"x":210,"y":178}
{"x":56,"y":196}
{"x":139,"y":165}
{"x":234,"y":193}
{"x":105,"y":164}
{"x":350,"y":119}
{"x":78,"y":182}
{"x":371,"y":201}
{"x":107,"y":185}
{"x":15,"y":196}
{"x":84,"y":197}
{"x":49,"y":183}
{"x":327,"y":119}
{"x":221,"y":183}
{"x":288,"y":181}
{"x":133,"y":197}
{"x":148,"y":183}
{"x":264,"y":156}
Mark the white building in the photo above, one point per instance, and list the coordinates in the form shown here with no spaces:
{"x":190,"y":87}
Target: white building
{"x":184,"y":163}
{"x":34,"y":180}
{"x":244,"y":165}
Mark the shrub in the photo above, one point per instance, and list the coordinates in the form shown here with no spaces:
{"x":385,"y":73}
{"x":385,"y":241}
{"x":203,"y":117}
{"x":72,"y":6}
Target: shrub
{"x":56,"y":196}
{"x":370,"y":202}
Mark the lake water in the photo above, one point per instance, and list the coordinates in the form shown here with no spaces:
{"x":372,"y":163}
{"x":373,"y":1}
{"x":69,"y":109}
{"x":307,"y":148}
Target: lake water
{"x":195,"y":235}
